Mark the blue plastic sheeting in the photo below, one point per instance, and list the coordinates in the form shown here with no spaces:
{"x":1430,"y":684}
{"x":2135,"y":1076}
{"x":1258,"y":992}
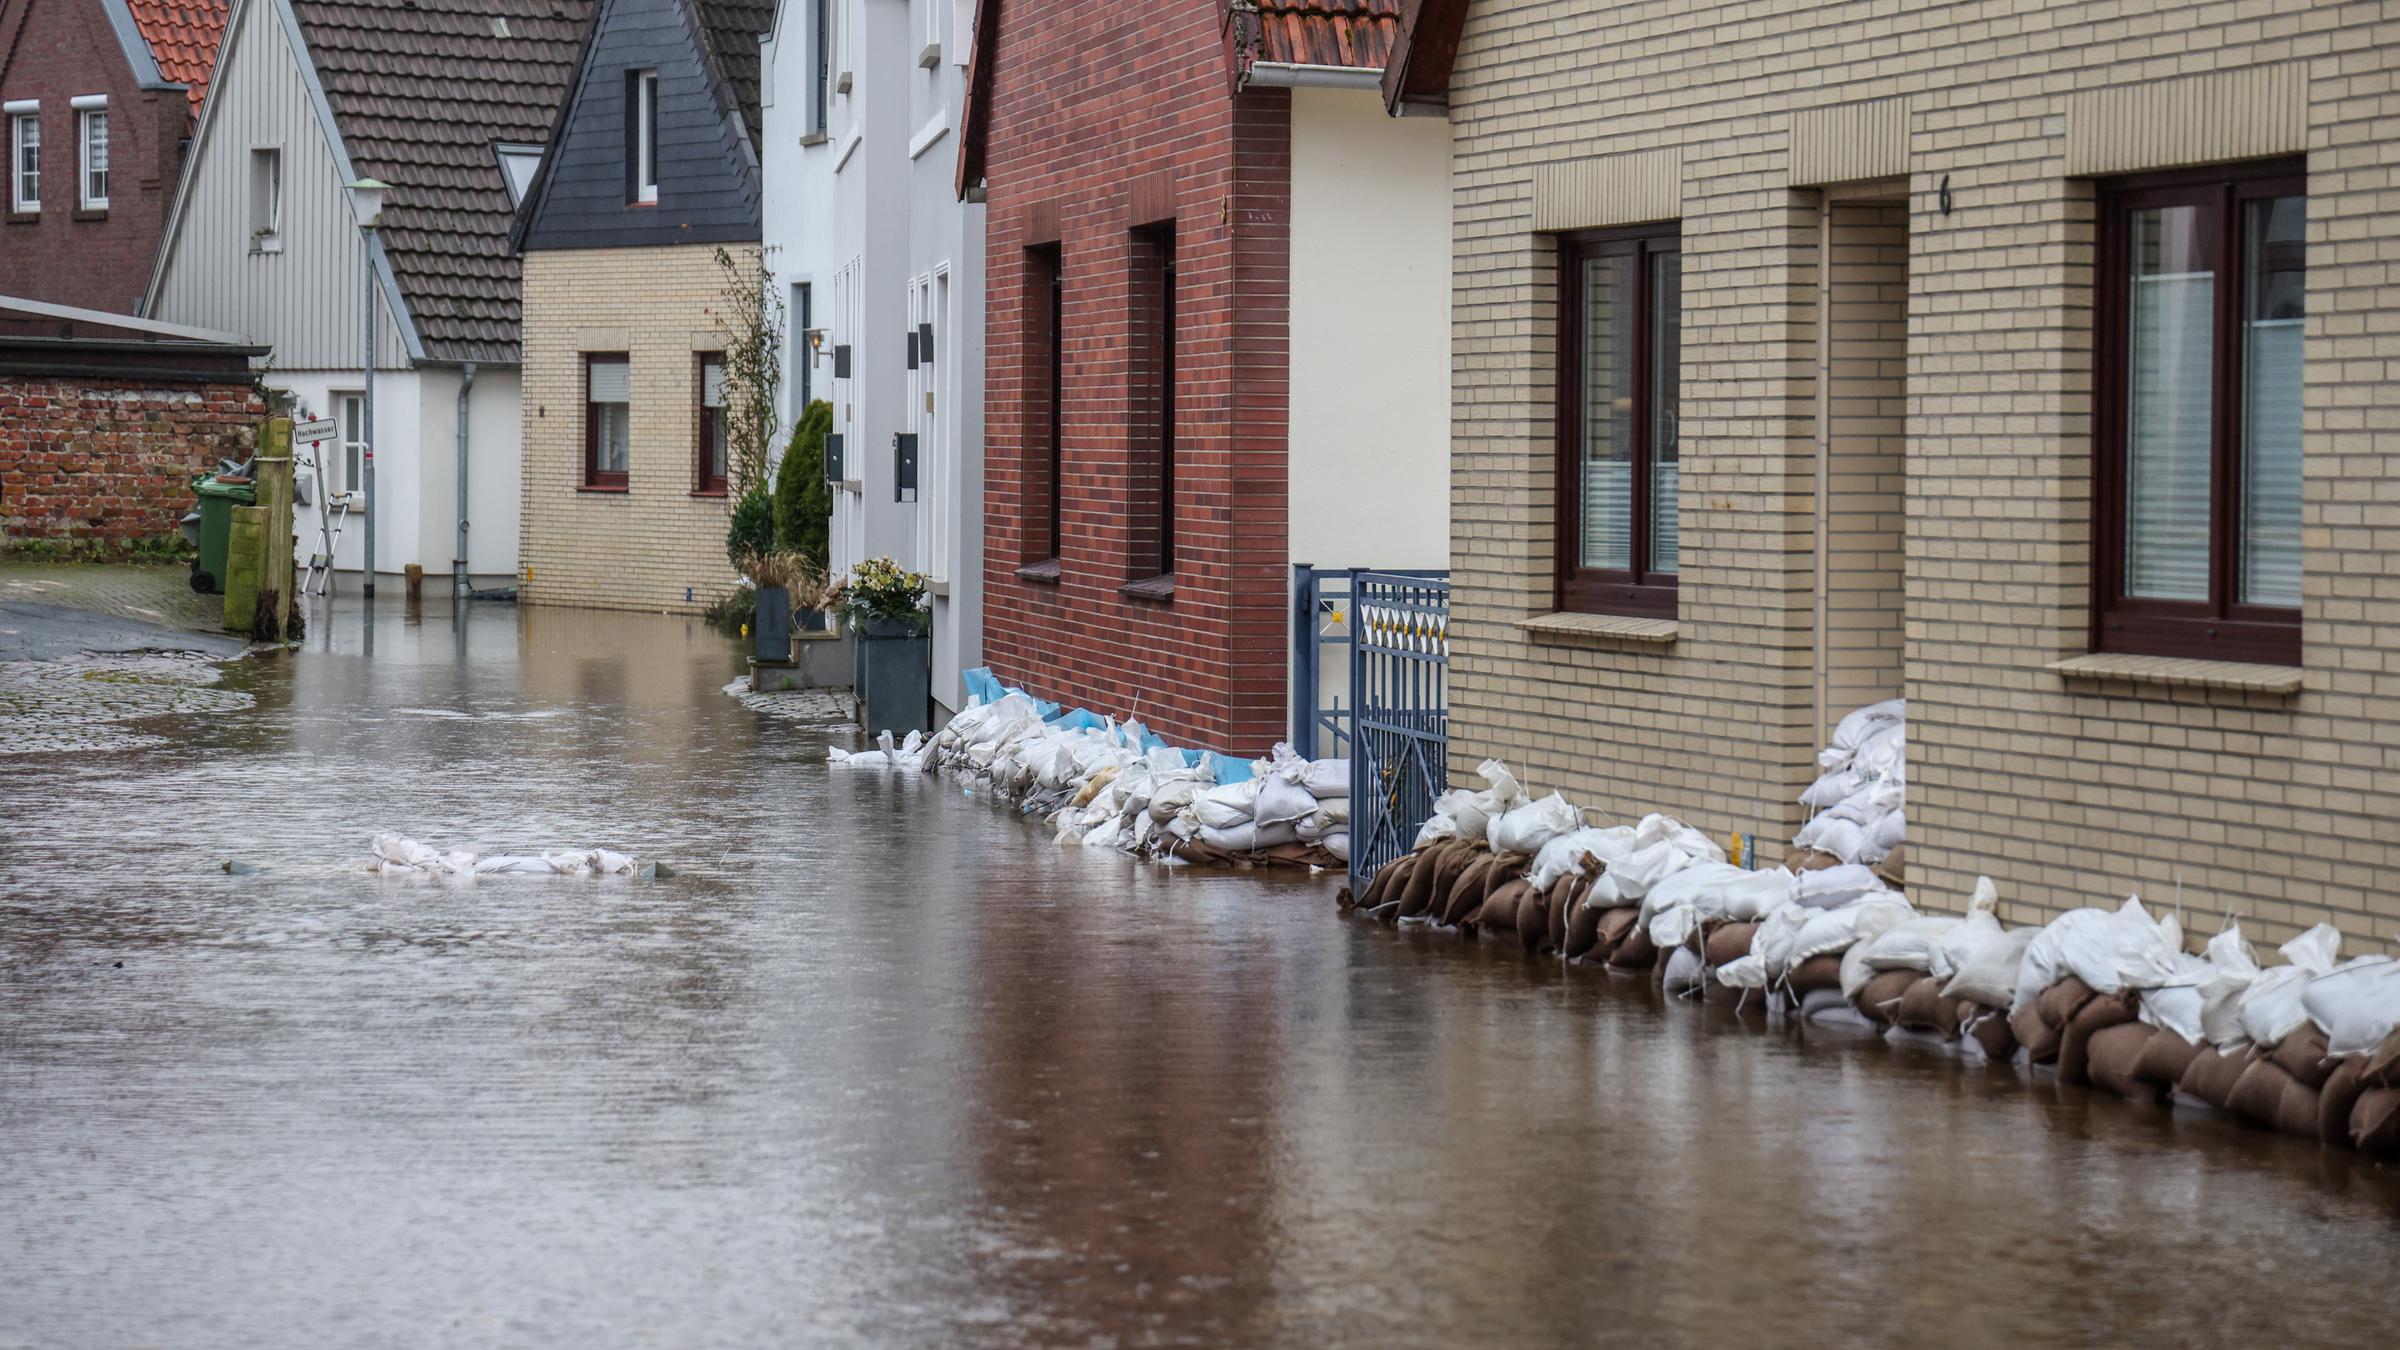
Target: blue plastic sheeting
{"x":1223,"y":770}
{"x":1082,"y":719}
{"x":985,"y":687}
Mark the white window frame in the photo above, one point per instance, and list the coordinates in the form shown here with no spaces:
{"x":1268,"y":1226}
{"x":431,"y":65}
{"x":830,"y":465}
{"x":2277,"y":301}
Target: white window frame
{"x":512,"y":157}
{"x":91,"y":110}
{"x":344,"y":473}
{"x":266,"y":213}
{"x":962,"y":31}
{"x":645,"y":137}
{"x":24,"y":114}
{"x":931,"y":56}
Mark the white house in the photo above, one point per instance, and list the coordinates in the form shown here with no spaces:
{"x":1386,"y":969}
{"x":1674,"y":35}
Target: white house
{"x":883,"y":266}
{"x":449,"y":102}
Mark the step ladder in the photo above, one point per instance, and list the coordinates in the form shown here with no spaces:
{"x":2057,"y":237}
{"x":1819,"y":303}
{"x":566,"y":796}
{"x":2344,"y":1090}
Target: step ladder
{"x":334,"y":514}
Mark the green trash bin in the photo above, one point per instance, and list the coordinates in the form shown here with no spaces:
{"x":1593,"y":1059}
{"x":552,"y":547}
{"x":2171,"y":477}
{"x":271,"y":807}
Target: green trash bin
{"x":217,"y":501}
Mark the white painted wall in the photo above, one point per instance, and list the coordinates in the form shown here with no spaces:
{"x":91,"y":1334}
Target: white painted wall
{"x":1370,"y":391}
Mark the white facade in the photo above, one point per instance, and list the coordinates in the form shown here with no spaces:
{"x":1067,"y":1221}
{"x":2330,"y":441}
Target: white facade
{"x":1370,"y":340}
{"x":867,"y":240}
{"x":262,"y":241}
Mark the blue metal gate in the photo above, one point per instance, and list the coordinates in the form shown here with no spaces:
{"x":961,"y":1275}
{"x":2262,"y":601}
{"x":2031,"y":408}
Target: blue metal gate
{"x":1320,"y":658}
{"x":1400,"y":708}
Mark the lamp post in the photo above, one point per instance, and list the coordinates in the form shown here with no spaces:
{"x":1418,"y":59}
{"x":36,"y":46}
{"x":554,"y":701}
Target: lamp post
{"x":366,"y":199}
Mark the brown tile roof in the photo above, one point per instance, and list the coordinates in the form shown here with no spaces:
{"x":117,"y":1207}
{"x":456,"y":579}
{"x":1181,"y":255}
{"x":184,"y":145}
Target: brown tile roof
{"x":183,"y":37}
{"x":733,"y":28}
{"x":1328,"y":32}
{"x":421,"y":91}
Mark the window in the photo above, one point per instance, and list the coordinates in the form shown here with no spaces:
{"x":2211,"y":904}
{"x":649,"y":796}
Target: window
{"x":641,"y":138}
{"x":91,"y":111}
{"x":266,"y":201}
{"x":1150,"y":401}
{"x":1044,"y":402}
{"x":517,"y":165}
{"x":25,"y":157}
{"x":607,"y":422}
{"x":351,"y":411}
{"x":821,"y":78}
{"x":1620,"y":457}
{"x":711,"y":471}
{"x":2196,"y":485}
{"x":804,"y":388}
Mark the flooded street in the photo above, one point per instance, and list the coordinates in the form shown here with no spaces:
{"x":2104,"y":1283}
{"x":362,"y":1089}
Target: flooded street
{"x":879,"y":1065}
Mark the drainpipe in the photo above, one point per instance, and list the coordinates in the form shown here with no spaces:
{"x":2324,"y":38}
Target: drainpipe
{"x":1286,"y":75}
{"x":458,"y":565}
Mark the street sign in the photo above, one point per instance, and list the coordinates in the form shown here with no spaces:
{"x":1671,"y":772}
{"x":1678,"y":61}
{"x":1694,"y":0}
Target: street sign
{"x":323,"y":429}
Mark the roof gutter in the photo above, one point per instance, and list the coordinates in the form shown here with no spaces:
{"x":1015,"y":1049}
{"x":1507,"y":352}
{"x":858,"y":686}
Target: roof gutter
{"x":1287,"y":75}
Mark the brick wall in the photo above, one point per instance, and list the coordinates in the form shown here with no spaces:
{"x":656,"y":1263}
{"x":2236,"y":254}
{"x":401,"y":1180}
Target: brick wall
{"x":96,"y":259}
{"x":659,"y":541}
{"x":1098,"y":128}
{"x":111,"y":461}
{"x":1728,"y":116}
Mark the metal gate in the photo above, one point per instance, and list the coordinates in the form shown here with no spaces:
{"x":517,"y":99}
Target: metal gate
{"x":1400,"y":706}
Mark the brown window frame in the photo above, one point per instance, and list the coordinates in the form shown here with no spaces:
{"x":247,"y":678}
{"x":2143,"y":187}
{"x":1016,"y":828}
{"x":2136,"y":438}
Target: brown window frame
{"x":1151,"y":340}
{"x":594,"y":480}
{"x":2218,"y":629}
{"x":704,"y":483}
{"x":1043,"y":469}
{"x":1637,"y":591}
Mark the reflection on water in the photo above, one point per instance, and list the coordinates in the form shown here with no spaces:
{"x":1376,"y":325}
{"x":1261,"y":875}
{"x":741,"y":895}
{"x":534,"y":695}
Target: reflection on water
{"x":880,"y":1065}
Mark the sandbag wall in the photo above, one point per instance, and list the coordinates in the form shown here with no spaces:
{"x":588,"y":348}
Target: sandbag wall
{"x":2107,"y":999}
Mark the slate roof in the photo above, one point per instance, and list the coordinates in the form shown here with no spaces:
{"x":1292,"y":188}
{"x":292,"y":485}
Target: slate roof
{"x":421,"y":91}
{"x":732,"y":29}
{"x":1328,"y":32}
{"x":184,"y":36}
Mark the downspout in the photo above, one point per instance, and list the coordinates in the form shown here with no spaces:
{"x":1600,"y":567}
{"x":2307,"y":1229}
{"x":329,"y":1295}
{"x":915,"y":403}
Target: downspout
{"x":1287,"y":75}
{"x":458,"y":565}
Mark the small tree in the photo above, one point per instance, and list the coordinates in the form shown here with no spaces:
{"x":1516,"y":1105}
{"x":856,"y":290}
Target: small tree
{"x":751,"y":322}
{"x":803,"y":503}
{"x":752,"y":530}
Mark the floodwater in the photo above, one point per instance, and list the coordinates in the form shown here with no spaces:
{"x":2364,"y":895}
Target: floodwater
{"x":881,"y":1066}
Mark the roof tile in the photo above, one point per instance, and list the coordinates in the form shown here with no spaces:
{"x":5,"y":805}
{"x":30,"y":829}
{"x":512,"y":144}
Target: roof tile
{"x":183,"y":37}
{"x":1328,"y":32}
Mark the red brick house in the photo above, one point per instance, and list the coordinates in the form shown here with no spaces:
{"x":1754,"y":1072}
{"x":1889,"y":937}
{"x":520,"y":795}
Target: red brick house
{"x":1145,"y":448}
{"x":100,"y":97}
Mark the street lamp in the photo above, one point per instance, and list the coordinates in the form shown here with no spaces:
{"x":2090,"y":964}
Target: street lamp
{"x":366,"y":199}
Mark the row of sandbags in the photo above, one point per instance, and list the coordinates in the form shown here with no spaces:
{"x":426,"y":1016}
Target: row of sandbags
{"x":1100,"y":783}
{"x":395,"y":855}
{"x":2104,"y":998}
{"x":1859,"y":800}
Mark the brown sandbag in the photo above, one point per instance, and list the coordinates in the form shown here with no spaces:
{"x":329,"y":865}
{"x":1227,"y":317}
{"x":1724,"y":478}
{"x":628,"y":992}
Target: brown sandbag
{"x":1390,"y":879}
{"x":1201,"y":853}
{"x":1466,"y":894}
{"x":1894,"y":867}
{"x":2211,"y":1076}
{"x":2038,"y":1037}
{"x":1583,"y":931}
{"x":2164,"y":1058}
{"x":2112,"y":1061}
{"x":1923,"y":1008}
{"x":2375,"y":1123}
{"x":2097,"y":1014}
{"x":2268,"y":1096}
{"x":1729,"y":943}
{"x":1615,"y":926}
{"x":1416,"y":899}
{"x":1554,"y":913}
{"x":1815,"y":973}
{"x":1991,"y":1032}
{"x":2060,"y":1002}
{"x":2336,"y":1099}
{"x":1879,"y":999}
{"x":2383,"y":1066}
{"x":2302,"y":1055}
{"x":1637,"y":951}
{"x":1499,"y":914}
{"x":1506,"y":867}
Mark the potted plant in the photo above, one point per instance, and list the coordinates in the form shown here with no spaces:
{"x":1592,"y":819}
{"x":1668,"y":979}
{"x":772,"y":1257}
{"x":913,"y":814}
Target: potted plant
{"x":776,"y":575}
{"x":884,"y":606}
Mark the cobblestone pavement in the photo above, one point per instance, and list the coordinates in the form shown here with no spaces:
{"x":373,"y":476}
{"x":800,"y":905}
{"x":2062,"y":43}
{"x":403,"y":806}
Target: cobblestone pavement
{"x":87,"y":652}
{"x":827,"y":708}
{"x":150,"y":593}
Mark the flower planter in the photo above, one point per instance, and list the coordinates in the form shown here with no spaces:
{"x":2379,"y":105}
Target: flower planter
{"x":810,"y":620}
{"x":895,"y":676}
{"x":771,"y":626}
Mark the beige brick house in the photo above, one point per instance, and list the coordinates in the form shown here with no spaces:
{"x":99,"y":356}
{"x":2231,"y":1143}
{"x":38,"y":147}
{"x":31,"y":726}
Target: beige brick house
{"x":2032,"y":360}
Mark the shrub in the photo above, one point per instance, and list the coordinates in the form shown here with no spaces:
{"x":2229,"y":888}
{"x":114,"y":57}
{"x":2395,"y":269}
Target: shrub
{"x":803,"y":502}
{"x":879,"y":588}
{"x":753,"y":528}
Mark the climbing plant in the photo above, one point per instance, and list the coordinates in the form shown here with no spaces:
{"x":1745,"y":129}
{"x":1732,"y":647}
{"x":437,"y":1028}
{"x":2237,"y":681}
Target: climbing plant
{"x":750,"y":318}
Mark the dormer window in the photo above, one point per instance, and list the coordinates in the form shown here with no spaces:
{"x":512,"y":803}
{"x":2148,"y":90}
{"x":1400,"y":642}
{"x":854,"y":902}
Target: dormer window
{"x":641,"y":138}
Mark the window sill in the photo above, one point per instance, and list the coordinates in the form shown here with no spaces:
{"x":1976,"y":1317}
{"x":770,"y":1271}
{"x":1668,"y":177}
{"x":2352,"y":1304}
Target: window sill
{"x":1155,"y":588}
{"x":818,"y":137}
{"x":88,"y":213}
{"x":1617,"y":627}
{"x":1044,"y":572}
{"x":938,"y":587}
{"x":931,"y":56}
{"x":24,"y":217}
{"x":602,"y":489}
{"x":2181,"y":670}
{"x":853,"y":486}
{"x":709,"y":492}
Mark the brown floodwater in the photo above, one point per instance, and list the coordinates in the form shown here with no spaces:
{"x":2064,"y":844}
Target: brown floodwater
{"x":880,"y":1065}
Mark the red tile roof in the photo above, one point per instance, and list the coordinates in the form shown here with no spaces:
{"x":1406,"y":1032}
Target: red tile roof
{"x":1328,"y":32}
{"x":183,"y":37}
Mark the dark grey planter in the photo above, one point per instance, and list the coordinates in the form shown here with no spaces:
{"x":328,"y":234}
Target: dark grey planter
{"x":895,"y":677}
{"x":771,"y":626}
{"x":810,"y":620}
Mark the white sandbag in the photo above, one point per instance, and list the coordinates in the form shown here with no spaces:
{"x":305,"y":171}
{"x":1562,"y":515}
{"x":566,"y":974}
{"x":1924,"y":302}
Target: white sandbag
{"x":1327,"y":779}
{"x":1656,"y":828}
{"x":1646,"y":868}
{"x":1871,"y":920}
{"x":1167,"y":799}
{"x":1834,"y":887}
{"x":1885,"y":833}
{"x":1335,"y":809}
{"x":1990,"y":975}
{"x":1837,"y":930}
{"x":1603,"y":893}
{"x":1831,"y":788}
{"x":1526,"y":828}
{"x":1337,"y":844}
{"x":2175,"y":1005}
{"x":2126,"y":950}
{"x":1280,"y":801}
{"x":1748,"y":971}
{"x":2232,"y":965}
{"x":1500,"y":796}
{"x":1910,"y":945}
{"x":1860,"y":723}
{"x":2272,"y":1006}
{"x":1227,"y":805}
{"x":1883,"y":753}
{"x":1673,"y":909}
{"x":1685,"y":971}
{"x":1242,"y":838}
{"x":1434,"y":829}
{"x":2356,"y":1004}
{"x":2045,"y":958}
{"x":1980,"y":926}
{"x":1464,"y":811}
{"x":1844,"y":839}
{"x":1831,"y":1009}
{"x":1563,"y":855}
{"x":1755,"y":895}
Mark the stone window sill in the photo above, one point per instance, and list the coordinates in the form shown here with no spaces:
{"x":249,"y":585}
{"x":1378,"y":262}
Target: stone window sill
{"x":1614,"y":627}
{"x":938,"y":587}
{"x":717,"y":493}
{"x":931,"y":56}
{"x":1044,"y":572}
{"x":2183,"y":671}
{"x":854,"y":486}
{"x":817,"y":137}
{"x":1152,"y":588}
{"x":89,"y":213}
{"x":24,"y":217}
{"x":602,"y":489}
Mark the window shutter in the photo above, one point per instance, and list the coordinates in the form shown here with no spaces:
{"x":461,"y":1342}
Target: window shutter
{"x":925,"y":341}
{"x":611,"y":382}
{"x":833,"y":457}
{"x":904,"y":473}
{"x":2167,"y":436}
{"x":712,"y":384}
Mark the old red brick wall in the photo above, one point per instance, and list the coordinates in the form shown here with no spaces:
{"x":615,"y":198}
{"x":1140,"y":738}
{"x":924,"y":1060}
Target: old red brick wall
{"x":112,"y":460}
{"x":1097,"y":128}
{"x":63,"y":254}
